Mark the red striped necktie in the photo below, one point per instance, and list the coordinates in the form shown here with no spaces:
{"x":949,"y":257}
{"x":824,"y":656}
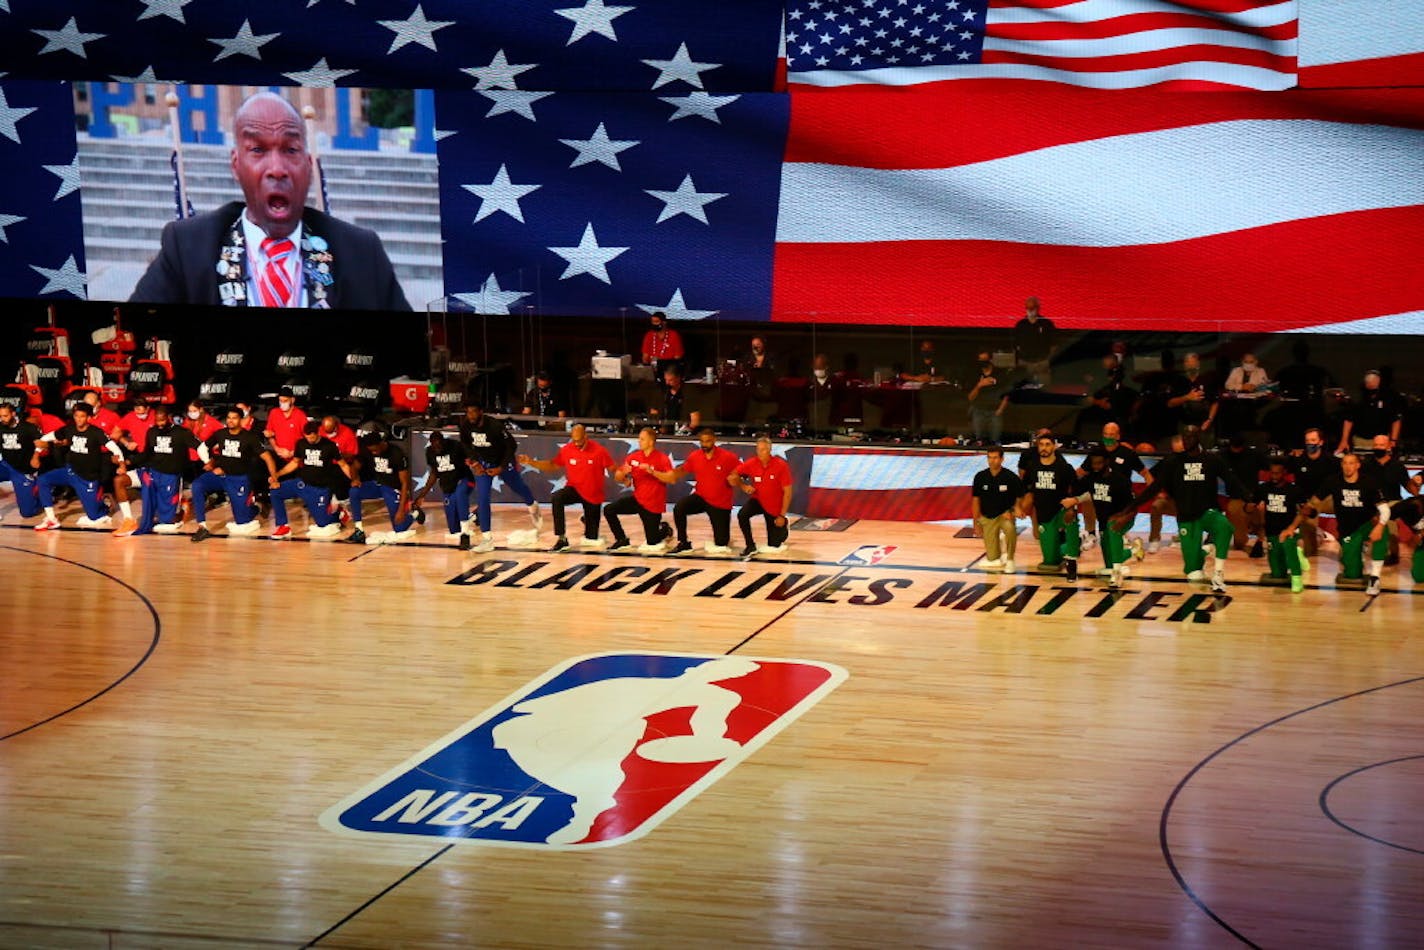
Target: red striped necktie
{"x":274,"y":282}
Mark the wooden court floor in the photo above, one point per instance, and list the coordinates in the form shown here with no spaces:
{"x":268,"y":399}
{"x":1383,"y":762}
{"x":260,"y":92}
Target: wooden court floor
{"x":1010,"y":761}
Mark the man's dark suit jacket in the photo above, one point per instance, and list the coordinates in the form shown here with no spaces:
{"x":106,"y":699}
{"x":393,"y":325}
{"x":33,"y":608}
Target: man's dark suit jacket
{"x":184,"y":270}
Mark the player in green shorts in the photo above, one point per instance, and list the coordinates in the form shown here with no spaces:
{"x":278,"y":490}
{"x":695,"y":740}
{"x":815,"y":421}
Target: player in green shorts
{"x":1049,"y":480}
{"x":1110,"y":491}
{"x":1362,"y":519}
{"x":1281,"y":500}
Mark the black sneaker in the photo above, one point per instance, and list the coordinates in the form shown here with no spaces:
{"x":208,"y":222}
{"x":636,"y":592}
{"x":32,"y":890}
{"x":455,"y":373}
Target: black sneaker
{"x":560,"y":544}
{"x":464,"y":542}
{"x":666,"y":530}
{"x":1070,"y":568}
{"x":1258,"y":549}
{"x":357,"y":537}
{"x":202,"y":534}
{"x":748,"y":552}
{"x":618,"y":544}
{"x":681,"y":547}
{"x":419,"y":516}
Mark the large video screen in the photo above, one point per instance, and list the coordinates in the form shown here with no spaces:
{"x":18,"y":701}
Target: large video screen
{"x":321,"y":198}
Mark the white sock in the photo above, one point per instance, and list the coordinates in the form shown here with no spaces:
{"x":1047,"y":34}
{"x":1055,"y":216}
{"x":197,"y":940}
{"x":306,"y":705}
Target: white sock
{"x":126,"y":508}
{"x":358,"y":526}
{"x":49,"y":512}
{"x":1372,"y":567}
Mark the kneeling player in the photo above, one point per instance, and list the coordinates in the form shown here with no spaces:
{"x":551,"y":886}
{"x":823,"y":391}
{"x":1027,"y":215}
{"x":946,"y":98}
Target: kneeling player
{"x":18,"y":460}
{"x":445,"y":462}
{"x":229,"y":457}
{"x":1049,"y":479}
{"x":1281,"y":500}
{"x":1361,"y":517}
{"x":383,"y":472}
{"x":83,"y":470}
{"x":318,"y":465}
{"x":1110,"y":491}
{"x":165,"y":459}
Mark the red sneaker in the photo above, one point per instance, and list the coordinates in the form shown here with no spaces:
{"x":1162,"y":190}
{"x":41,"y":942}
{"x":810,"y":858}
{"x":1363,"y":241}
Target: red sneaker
{"x":283,"y":532}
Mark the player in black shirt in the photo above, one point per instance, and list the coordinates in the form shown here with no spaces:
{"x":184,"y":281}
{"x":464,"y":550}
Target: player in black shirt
{"x":1049,"y":482}
{"x":1360,"y":516}
{"x":83,"y":470}
{"x":1109,"y":489}
{"x":996,"y":495}
{"x":164,"y":459}
{"x":17,"y":460}
{"x":1247,"y":463}
{"x":1280,"y":502}
{"x":319,"y":468}
{"x":383,"y":472}
{"x":1190,"y":477}
{"x":1392,"y":479}
{"x":1121,"y":458}
{"x":228,"y":457}
{"x":490,"y":449}
{"x":445,"y":464}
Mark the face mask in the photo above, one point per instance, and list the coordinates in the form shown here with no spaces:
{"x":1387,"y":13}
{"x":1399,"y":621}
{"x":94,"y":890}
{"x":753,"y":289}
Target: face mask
{"x":284,"y":403}
{"x":141,"y":412}
{"x":194,"y":414}
{"x":657,"y":327}
{"x":1313,"y":449}
{"x":1249,"y":367}
{"x":821,"y":374}
{"x":1109,"y":442}
{"x":1381,"y":453}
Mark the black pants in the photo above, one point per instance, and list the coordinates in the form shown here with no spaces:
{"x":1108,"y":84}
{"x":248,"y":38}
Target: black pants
{"x":569,"y":495}
{"x":721,"y":518}
{"x":775,"y":537}
{"x":628,"y":505}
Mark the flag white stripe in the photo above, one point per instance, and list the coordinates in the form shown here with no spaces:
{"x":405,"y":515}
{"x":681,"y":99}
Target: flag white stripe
{"x":1340,"y":31}
{"x":1228,"y":74}
{"x":1404,"y":324}
{"x":1092,"y":11}
{"x":1146,"y":41}
{"x":1147,"y":188}
{"x":883,"y":472}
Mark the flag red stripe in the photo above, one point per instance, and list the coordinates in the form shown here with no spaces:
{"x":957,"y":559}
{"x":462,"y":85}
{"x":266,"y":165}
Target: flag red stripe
{"x":920,"y":504}
{"x":1299,"y":273}
{"x":1195,"y":53}
{"x":1206,"y":6}
{"x":1404,"y":70}
{"x":982,"y":119}
{"x":1128,"y":24}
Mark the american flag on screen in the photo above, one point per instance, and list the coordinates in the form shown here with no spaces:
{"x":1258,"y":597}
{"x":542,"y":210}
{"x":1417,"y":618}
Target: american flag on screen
{"x":1149,"y":163}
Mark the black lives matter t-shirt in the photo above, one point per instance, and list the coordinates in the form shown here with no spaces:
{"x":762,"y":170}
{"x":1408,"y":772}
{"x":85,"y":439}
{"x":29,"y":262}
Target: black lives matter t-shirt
{"x":447,"y":465}
{"x":1050,"y":484}
{"x":1279,"y":504}
{"x":86,"y":451}
{"x":235,"y":454}
{"x":385,"y":467}
{"x":318,"y":466}
{"x":166,"y":449}
{"x":17,"y":445}
{"x":1110,"y":490}
{"x":1355,"y":502}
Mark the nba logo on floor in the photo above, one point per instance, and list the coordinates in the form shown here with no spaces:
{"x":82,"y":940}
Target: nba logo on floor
{"x":596,"y":752}
{"x":868,"y":554}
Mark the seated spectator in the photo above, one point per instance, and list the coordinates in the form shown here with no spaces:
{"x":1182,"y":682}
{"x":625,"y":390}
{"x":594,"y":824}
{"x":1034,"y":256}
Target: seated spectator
{"x":674,"y":415}
{"x":542,"y":400}
{"x":926,"y":371}
{"x":1249,"y":377}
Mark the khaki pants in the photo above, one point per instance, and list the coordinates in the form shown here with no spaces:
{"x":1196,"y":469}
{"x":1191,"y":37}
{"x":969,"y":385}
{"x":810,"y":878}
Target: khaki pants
{"x":1001,"y":534}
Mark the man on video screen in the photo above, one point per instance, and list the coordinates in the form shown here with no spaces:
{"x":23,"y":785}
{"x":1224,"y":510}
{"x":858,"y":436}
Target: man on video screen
{"x":270,"y":250}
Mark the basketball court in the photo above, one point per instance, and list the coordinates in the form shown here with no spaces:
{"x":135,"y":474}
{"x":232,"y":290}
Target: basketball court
{"x":195,"y":741}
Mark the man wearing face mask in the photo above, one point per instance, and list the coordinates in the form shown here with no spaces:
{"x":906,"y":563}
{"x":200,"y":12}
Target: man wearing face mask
{"x":710,"y":465}
{"x":662,"y":345}
{"x":1309,"y":468}
{"x":285,"y":425}
{"x":1392,"y":479}
{"x":927,"y":371}
{"x":818,"y":388}
{"x":988,"y":397}
{"x":1122,"y":459}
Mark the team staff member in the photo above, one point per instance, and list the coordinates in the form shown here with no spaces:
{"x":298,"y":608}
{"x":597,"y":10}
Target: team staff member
{"x":1121,"y":458}
{"x":231,"y":455}
{"x":768,"y":480}
{"x":1109,"y":490}
{"x":445,"y":461}
{"x":585,"y":463}
{"x":383,"y":471}
{"x":1189,"y":478}
{"x":104,"y":418}
{"x":1049,"y":483}
{"x":83,"y":470}
{"x":1309,"y":469}
{"x":165,"y":460}
{"x":1361,"y":516}
{"x":130,"y":434}
{"x":19,"y":461}
{"x":650,"y":471}
{"x":711,"y":465}
{"x":1281,"y":500}
{"x":318,"y":465}
{"x":662,"y":345}
{"x":492,"y":453}
{"x":995,"y":496}
{"x":345,"y":438}
{"x":286,"y":424}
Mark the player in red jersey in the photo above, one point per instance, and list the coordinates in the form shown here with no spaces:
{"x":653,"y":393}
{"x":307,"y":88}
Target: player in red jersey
{"x":650,"y":471}
{"x":711,"y":466}
{"x":767,"y":479}
{"x":585,"y":463}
